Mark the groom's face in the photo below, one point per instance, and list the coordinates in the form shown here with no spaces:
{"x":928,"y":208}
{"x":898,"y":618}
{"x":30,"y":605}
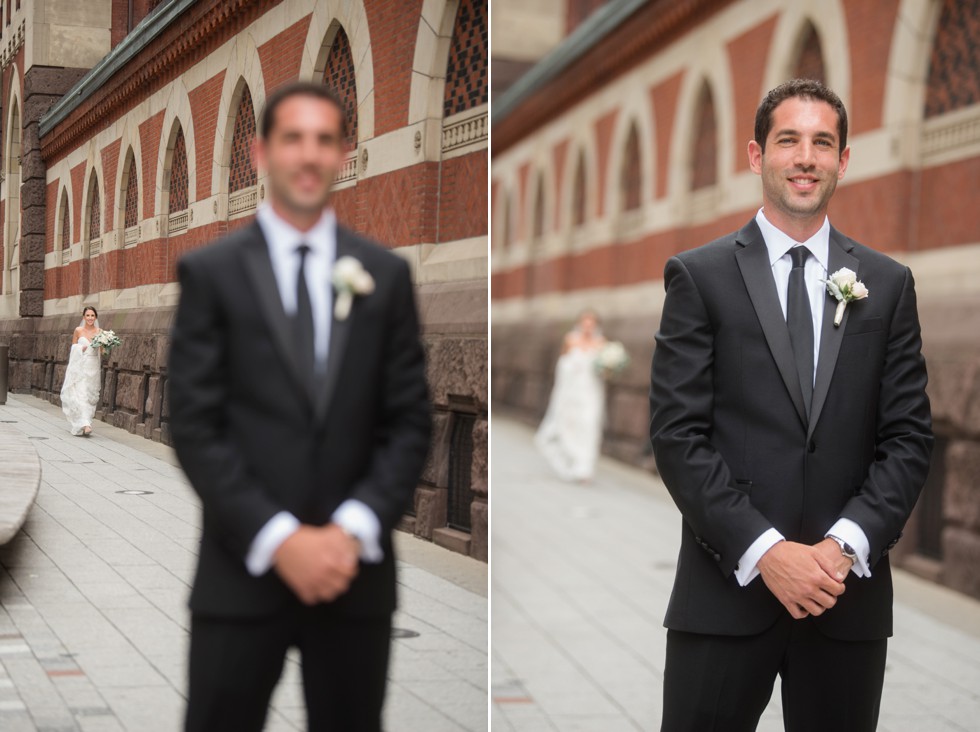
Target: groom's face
{"x":302,"y":153}
{"x":802,"y":161}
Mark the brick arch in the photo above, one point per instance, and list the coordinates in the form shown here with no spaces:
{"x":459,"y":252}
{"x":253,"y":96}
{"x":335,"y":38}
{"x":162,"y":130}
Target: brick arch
{"x":952,"y":82}
{"x":92,"y":220}
{"x":241,"y":169}
{"x":828,"y":20}
{"x":325,"y":19}
{"x":243,"y":68}
{"x":468,"y":53}
{"x":340,"y":76}
{"x":129,"y":143}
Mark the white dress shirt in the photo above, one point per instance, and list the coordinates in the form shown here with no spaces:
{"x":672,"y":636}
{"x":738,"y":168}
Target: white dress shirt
{"x":779,"y":243}
{"x":284,"y":241}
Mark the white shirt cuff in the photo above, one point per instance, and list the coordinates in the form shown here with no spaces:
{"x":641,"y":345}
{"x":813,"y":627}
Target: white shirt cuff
{"x":357,"y":519}
{"x":854,"y":535}
{"x":265,"y":544}
{"x":747,"y":570}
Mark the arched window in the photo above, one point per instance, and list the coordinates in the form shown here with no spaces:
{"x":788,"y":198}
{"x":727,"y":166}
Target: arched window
{"x":631,"y":176}
{"x":704,"y":157}
{"x":241,"y":173}
{"x":94,"y":217}
{"x":538,"y":222}
{"x":65,"y":227}
{"x":809,"y":64}
{"x":178,"y":175}
{"x":466,"y":71}
{"x":131,"y":214}
{"x":953,"y":80}
{"x":578,"y":192}
{"x":339,"y":76}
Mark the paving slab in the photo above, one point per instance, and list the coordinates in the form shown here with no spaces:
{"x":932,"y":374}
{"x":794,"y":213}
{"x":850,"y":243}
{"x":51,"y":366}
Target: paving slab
{"x":581,"y":576}
{"x":93,"y":592}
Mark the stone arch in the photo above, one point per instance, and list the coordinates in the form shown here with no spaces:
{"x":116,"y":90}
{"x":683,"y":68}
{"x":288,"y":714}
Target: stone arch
{"x":176,"y":117}
{"x":809,"y":62}
{"x":92,"y":219}
{"x":320,"y":35}
{"x":432,"y":43}
{"x":827,"y":19}
{"x":338,"y":74}
{"x":637,"y":114}
{"x":908,"y":68}
{"x":243,"y":68}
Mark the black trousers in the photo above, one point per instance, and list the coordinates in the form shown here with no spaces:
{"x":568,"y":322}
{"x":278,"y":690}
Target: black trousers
{"x":723,"y":683}
{"x":235,"y":665}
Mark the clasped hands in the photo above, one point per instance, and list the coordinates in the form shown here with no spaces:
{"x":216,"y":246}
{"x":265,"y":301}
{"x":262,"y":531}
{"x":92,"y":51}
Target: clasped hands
{"x":807,"y":580}
{"x":318,"y":563}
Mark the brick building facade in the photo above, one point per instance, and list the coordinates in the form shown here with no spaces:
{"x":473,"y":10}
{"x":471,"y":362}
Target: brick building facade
{"x":126,"y":128}
{"x":627,"y":144}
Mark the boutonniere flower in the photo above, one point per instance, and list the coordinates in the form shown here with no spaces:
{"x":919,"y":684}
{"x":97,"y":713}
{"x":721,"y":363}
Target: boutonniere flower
{"x":844,"y":285}
{"x":349,"y":280}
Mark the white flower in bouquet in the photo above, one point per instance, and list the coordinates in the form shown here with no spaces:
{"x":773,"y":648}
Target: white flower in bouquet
{"x":106,"y":340}
{"x":611,"y":358}
{"x":349,"y":279}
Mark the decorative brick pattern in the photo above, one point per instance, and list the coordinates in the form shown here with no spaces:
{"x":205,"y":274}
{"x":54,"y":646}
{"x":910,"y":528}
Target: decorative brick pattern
{"x":339,"y":76}
{"x":466,"y":72}
{"x":631,"y":178}
{"x":809,"y":64}
{"x":94,"y":211}
{"x":178,"y":175}
{"x":132,"y":214}
{"x":242,"y":172}
{"x":704,"y":157}
{"x":953,"y":79}
{"x":65,"y":223}
{"x":578,"y":192}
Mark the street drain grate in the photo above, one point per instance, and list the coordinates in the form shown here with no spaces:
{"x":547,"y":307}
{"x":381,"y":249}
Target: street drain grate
{"x":403,"y":633}
{"x":135,"y":493}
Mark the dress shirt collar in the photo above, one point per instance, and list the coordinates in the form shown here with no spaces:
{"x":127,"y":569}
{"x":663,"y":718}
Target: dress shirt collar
{"x":779,"y":243}
{"x":284,"y":238}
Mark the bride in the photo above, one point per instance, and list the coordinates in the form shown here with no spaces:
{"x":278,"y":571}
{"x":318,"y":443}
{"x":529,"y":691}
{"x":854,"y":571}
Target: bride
{"x":80,"y":392}
{"x":571,"y":432}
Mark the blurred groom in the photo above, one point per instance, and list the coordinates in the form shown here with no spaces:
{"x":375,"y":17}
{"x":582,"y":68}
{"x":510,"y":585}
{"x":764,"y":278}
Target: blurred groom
{"x":299,"y":411}
{"x":794,"y":442}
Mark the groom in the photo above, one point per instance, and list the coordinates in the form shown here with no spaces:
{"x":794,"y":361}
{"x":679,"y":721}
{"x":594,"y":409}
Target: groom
{"x":299,"y":412}
{"x":794,"y":447}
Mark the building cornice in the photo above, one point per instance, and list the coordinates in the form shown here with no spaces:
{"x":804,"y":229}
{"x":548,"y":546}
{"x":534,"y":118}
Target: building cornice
{"x":612,"y":41}
{"x":138,"y":65}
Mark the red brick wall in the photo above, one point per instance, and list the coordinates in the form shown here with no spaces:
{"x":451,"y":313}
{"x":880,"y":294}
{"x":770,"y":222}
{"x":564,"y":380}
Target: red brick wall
{"x":869,"y":32}
{"x":748,"y":54}
{"x":77,"y":187}
{"x":204,"y":111}
{"x":150,"y":131}
{"x":110,"y":163}
{"x":394,"y":27}
{"x":281,"y":56}
{"x":663,"y":97}
{"x":603,"y":135}
{"x":559,"y":153}
{"x":463,"y":197}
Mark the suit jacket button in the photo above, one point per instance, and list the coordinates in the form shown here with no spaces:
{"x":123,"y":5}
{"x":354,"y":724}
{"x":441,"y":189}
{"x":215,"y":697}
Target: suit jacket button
{"x":717,"y":557}
{"x":812,"y":447}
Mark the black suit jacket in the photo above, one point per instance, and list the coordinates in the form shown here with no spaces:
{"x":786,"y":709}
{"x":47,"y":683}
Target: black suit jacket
{"x":735,"y":449}
{"x":254,"y":442}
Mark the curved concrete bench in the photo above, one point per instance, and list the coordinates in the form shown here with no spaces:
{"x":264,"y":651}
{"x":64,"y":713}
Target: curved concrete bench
{"x":20,"y":478}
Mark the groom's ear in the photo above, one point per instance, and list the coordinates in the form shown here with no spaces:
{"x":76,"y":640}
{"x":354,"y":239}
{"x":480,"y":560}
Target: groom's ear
{"x":755,"y":157}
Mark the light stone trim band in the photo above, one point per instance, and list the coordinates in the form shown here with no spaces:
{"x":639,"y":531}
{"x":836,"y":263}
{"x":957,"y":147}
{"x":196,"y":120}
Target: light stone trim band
{"x":950,"y":132}
{"x":132,"y":236}
{"x":465,"y":130}
{"x":178,"y":221}
{"x":243,"y":202}
{"x":348,"y":171}
{"x":95,"y":247}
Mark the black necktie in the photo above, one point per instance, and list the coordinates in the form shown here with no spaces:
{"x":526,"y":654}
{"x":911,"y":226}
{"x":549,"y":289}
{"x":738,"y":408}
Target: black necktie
{"x":303,"y":321}
{"x":800,"y":322}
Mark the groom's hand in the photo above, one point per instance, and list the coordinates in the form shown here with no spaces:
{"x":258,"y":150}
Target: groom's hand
{"x":318,"y":563}
{"x":801,"y":578}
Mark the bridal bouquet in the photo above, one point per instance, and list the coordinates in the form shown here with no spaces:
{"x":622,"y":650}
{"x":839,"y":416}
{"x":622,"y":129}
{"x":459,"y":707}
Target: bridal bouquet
{"x":106,"y":340}
{"x":611,"y":359}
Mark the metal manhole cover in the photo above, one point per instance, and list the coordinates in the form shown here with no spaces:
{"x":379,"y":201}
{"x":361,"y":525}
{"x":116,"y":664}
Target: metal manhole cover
{"x":135,"y":493}
{"x":403,"y":633}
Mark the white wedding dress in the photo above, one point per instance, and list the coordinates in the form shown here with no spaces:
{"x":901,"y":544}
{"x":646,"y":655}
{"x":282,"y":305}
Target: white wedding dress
{"x":571,"y":433}
{"x":80,"y":392}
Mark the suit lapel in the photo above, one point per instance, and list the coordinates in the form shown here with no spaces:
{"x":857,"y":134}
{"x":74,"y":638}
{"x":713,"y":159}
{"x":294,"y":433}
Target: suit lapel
{"x":339,"y":334}
{"x":831,"y":337}
{"x":259,"y":266}
{"x":753,"y":261}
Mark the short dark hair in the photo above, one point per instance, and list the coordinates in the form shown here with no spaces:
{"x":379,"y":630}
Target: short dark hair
{"x":299,"y":89}
{"x":802,"y":89}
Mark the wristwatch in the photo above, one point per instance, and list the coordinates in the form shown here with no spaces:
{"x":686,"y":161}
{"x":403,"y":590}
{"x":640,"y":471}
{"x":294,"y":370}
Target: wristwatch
{"x":846,"y":549}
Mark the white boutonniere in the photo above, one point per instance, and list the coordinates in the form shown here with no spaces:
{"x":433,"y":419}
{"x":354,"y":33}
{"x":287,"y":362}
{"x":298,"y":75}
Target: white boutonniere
{"x":349,"y":280}
{"x":844,"y":285}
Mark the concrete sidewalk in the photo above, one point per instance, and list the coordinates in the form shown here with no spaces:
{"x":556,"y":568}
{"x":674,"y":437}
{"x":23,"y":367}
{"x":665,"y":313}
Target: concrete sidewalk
{"x":581,"y":576}
{"x":93,"y":591}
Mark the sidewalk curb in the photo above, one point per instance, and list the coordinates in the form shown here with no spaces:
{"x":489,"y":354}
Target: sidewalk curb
{"x":20,"y":475}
